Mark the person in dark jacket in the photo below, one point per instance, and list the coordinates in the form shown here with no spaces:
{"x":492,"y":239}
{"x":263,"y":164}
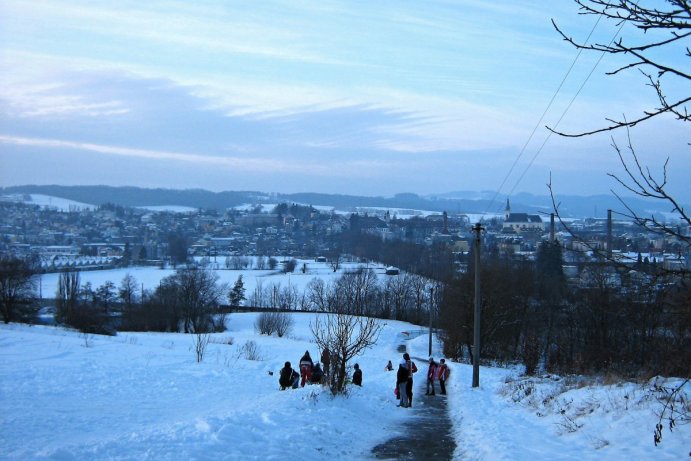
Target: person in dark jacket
{"x":288,"y":377}
{"x":326,"y":361}
{"x":402,"y":380}
{"x":306,"y":365}
{"x":357,"y":375}
{"x":431,"y":376}
{"x":317,"y":374}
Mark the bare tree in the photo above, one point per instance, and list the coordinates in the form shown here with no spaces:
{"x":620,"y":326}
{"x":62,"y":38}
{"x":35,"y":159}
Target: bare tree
{"x":67,"y":296}
{"x":356,"y":292}
{"x":199,"y":297}
{"x":663,"y":29}
{"x":345,"y":336}
{"x":17,"y":289}
{"x":319,"y":295}
{"x":128,"y":290}
{"x":398,"y":288}
{"x":661,"y":26}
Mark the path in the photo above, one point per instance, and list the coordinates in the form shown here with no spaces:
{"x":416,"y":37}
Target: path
{"x":428,"y":431}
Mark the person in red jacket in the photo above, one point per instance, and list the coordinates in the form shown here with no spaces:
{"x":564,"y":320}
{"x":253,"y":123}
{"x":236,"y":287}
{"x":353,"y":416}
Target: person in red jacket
{"x":306,"y":365}
{"x":443,"y":372}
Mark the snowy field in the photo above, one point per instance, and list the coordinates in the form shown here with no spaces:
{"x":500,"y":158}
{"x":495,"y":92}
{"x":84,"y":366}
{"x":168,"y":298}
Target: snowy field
{"x":149,"y":277}
{"x":143,"y":396}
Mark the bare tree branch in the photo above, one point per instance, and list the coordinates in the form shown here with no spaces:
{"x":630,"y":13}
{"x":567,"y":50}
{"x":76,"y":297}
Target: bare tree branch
{"x":675,"y":21}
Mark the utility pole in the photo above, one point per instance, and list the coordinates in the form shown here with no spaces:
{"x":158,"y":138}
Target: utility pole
{"x":431,"y":303}
{"x":609,"y":235}
{"x":476,"y":330}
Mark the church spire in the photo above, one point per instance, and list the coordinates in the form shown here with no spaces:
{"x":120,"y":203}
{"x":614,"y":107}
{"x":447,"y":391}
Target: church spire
{"x":507,"y":210}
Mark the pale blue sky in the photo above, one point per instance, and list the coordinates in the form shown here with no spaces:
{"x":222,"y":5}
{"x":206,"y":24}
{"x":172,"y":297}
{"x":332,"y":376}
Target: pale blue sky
{"x":357,"y":97}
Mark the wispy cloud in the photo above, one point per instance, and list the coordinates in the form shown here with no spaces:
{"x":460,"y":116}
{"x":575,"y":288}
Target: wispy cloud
{"x":233,"y":162}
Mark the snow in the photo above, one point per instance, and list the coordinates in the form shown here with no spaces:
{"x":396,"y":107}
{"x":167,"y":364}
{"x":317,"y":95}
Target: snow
{"x":169,"y":208}
{"x":149,"y":277}
{"x":143,"y":396}
{"x":58,"y":203}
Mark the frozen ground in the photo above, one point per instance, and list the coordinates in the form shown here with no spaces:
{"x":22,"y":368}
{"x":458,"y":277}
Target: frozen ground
{"x":143,"y":396}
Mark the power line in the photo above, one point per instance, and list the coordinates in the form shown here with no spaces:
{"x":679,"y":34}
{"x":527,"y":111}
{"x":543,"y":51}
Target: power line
{"x":549,"y":134}
{"x":549,"y":105}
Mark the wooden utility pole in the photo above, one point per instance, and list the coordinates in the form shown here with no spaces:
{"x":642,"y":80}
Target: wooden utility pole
{"x":476,"y":330}
{"x":431,"y":304}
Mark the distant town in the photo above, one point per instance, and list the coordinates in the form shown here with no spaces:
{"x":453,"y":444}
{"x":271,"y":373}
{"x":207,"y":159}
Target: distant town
{"x":107,"y":236}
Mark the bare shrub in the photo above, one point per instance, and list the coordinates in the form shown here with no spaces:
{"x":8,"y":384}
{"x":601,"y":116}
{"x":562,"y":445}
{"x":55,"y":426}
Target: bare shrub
{"x":345,"y":336}
{"x":227,"y":340}
{"x":268,"y":323}
{"x":250,"y":350}
{"x":201,"y":341}
{"x":284,"y":324}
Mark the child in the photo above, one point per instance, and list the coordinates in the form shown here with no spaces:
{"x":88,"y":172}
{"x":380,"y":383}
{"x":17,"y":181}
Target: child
{"x":431,"y":376}
{"x":357,"y":375}
{"x":288,"y":377}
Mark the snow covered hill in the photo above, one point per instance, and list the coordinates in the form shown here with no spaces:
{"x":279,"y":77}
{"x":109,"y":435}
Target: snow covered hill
{"x":143,"y":396}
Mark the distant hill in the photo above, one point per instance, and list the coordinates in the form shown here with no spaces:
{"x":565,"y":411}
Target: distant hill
{"x":452,"y":202}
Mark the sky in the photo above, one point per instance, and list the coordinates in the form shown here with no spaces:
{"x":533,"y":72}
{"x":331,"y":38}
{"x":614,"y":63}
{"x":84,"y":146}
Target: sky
{"x":366,"y":98}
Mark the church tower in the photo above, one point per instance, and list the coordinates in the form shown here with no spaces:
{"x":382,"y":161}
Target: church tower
{"x":507,"y":210}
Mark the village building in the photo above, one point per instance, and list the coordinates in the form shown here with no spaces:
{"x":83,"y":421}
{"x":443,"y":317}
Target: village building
{"x":521,"y":222}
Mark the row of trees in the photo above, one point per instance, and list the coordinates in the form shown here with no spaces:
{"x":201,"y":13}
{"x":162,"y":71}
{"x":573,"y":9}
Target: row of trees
{"x":359,"y":292}
{"x":190,"y":300}
{"x":530,"y":313}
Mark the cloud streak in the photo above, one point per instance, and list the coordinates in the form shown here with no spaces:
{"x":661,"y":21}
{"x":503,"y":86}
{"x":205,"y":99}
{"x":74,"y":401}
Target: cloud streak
{"x":295,"y":91}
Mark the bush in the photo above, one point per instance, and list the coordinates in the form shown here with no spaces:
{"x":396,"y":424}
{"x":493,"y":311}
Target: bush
{"x":269,"y":323}
{"x":250,"y":350}
{"x":531,"y":354}
{"x":88,"y":319}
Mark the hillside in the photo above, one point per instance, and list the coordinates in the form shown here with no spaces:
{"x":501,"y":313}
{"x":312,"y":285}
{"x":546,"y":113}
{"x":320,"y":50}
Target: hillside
{"x":454,"y":202}
{"x":143,"y":396}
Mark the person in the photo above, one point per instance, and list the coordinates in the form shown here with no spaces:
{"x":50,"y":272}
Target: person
{"x":409,"y":384}
{"x":317,"y":374}
{"x":401,"y":382}
{"x":443,"y":372}
{"x":306,"y":365}
{"x":357,"y":375}
{"x":431,"y":376}
{"x":389,"y":366}
{"x":288,"y":377}
{"x":326,"y":361}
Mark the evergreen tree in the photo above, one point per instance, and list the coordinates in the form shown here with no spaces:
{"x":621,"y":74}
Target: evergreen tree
{"x":237,"y":293}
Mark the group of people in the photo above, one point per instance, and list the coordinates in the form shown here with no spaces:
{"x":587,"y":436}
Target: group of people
{"x":437,"y":372}
{"x":404,"y":378}
{"x":311,"y":373}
